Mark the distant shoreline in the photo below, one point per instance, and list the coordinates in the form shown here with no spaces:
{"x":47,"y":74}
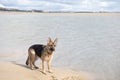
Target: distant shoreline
{"x":66,"y":13}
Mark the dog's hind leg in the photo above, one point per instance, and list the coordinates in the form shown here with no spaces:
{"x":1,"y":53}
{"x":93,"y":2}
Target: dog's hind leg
{"x":34,"y":62}
{"x":31,"y":57}
{"x":31,"y":61}
{"x":35,"y":66}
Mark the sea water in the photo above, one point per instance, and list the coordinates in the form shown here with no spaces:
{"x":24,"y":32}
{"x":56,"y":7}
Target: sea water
{"x":88,"y":43}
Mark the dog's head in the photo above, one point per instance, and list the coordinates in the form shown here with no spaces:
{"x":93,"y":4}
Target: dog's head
{"x":51,"y":45}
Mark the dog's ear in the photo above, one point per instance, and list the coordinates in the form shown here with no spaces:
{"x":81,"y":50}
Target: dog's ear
{"x":55,"y":41}
{"x":49,"y":40}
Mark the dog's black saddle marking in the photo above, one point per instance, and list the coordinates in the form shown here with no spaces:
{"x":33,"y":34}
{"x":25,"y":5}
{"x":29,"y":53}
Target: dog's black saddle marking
{"x":38,"y":49}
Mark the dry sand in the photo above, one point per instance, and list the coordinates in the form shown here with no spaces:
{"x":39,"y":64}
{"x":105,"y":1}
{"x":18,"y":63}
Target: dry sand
{"x":13,"y":71}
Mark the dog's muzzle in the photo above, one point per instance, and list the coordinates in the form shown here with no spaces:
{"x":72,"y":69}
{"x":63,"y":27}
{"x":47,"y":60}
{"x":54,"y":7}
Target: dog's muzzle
{"x":52,"y":49}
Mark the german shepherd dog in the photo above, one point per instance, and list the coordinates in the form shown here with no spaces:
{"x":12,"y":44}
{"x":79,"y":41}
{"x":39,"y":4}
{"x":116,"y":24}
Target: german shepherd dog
{"x":44,"y":52}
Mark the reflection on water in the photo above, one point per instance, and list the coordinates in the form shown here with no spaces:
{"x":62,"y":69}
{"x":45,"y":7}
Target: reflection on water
{"x":88,"y":43}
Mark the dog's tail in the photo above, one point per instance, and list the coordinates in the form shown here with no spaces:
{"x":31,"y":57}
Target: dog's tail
{"x":27,"y":61}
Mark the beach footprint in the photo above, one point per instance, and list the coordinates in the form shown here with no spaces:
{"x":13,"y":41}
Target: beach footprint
{"x":53,"y":78}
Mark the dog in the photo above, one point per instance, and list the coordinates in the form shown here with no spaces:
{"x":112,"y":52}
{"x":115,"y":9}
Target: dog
{"x":44,"y":52}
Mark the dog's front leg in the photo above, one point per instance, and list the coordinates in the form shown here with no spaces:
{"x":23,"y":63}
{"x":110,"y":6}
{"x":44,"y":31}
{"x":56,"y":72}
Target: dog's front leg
{"x":43,"y":66}
{"x":49,"y":66}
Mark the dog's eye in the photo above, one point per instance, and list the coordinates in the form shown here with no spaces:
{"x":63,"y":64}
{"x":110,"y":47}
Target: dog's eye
{"x":50,"y":46}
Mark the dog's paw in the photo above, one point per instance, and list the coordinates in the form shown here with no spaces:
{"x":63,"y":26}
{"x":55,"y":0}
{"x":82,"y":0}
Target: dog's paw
{"x":50,"y":71}
{"x":44,"y":72}
{"x":36,"y":67}
{"x":31,"y":68}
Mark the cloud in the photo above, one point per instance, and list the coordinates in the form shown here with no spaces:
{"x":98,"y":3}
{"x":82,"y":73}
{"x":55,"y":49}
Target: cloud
{"x":95,"y":5}
{"x":64,"y":5}
{"x":88,"y":5}
{"x":2,"y":5}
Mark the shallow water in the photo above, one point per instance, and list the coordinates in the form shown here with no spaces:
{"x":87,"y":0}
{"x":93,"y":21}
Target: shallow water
{"x":85,"y":43}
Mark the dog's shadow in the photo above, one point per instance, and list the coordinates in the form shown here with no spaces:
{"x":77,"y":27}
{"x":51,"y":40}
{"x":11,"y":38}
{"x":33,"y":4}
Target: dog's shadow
{"x":22,"y":65}
{"x":25,"y":66}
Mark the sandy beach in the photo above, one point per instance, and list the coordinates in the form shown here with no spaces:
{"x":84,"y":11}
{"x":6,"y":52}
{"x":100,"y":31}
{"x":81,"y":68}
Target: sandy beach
{"x":14,"y":71}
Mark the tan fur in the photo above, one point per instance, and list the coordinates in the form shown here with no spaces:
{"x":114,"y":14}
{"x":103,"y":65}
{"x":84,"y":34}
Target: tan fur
{"x":45,"y":57}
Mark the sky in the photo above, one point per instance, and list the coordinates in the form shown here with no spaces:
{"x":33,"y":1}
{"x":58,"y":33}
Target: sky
{"x":63,"y":5}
